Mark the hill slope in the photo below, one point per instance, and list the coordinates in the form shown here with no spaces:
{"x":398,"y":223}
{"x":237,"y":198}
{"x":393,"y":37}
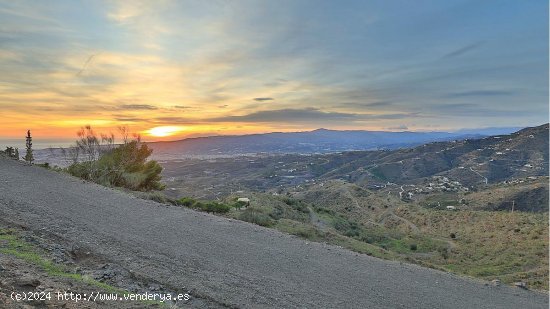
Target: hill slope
{"x":228,"y":263}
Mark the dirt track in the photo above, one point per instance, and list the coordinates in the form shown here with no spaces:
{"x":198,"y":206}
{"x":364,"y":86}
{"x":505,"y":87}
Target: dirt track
{"x":230,"y":263}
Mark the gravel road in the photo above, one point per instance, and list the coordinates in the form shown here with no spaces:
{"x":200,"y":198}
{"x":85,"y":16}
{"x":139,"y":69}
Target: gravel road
{"x":227,"y":263}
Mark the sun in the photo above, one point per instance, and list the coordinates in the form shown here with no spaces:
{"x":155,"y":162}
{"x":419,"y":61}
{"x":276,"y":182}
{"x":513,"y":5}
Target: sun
{"x":164,"y":131}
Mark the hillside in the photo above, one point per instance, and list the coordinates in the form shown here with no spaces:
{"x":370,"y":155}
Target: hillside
{"x":384,"y":203}
{"x":469,"y":162}
{"x":222,"y":262}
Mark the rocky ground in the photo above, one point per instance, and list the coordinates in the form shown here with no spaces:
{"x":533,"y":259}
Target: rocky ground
{"x":53,"y":269}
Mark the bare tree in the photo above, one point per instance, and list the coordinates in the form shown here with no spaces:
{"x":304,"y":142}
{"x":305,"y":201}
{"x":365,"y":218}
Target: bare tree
{"x":107,"y":142}
{"x":88,"y":143}
{"x":124,"y":132}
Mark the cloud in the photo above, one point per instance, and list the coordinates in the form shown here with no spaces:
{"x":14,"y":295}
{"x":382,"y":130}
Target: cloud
{"x":477,"y":110}
{"x":137,"y":107}
{"x":289,"y":115}
{"x":366,"y":105}
{"x":480,"y":93}
{"x":181,"y":106}
{"x":463,"y":50}
{"x":176,"y":120}
{"x":130,"y":119}
{"x":263,"y":99}
{"x":308,"y":115}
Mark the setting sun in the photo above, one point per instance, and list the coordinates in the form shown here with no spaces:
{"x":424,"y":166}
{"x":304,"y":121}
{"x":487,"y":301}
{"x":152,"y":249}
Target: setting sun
{"x":164,"y":131}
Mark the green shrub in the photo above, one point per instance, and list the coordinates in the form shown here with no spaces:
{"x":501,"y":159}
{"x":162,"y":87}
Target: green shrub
{"x":240,"y":204}
{"x":210,"y":206}
{"x":186,"y":201}
{"x":125,"y":166}
{"x":255,"y":216}
{"x":413,"y":247}
{"x":215,"y":207}
{"x":296,"y":204}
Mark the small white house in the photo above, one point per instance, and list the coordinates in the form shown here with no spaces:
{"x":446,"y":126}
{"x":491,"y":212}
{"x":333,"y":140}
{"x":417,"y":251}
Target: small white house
{"x":451,"y":208}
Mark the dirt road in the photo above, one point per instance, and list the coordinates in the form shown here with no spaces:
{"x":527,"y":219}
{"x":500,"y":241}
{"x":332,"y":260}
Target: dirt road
{"x":227,"y":263}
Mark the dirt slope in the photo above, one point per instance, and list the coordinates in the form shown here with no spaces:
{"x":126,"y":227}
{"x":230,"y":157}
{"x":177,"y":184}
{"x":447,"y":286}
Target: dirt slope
{"x":230,"y":263}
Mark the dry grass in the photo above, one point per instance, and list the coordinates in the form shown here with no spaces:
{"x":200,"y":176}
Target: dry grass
{"x":489,"y":245}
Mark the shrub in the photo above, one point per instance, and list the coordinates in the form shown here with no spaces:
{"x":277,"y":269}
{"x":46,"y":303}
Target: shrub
{"x":216,"y":207}
{"x":296,"y":204}
{"x":255,"y":216}
{"x":240,"y":204}
{"x":210,"y":206}
{"x":125,"y":166}
{"x":155,"y":196}
{"x":444,"y":251}
{"x":413,"y":247}
{"x":186,"y":201}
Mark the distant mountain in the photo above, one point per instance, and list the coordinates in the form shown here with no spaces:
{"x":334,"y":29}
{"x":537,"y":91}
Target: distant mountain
{"x":489,"y":131}
{"x":317,"y":141}
{"x":471,"y":161}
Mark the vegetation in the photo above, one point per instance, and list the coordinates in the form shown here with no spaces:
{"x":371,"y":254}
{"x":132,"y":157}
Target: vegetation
{"x":207,"y":206}
{"x":29,"y":156}
{"x":123,"y":166}
{"x":488,"y":245}
{"x":12,"y":153}
{"x":13,"y":244}
{"x":257,"y":216}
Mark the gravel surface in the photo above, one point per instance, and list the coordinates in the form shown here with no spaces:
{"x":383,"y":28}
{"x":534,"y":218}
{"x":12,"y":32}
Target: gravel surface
{"x":228,"y":263}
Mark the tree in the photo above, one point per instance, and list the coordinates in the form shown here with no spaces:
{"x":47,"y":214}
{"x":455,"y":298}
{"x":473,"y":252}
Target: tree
{"x":128,"y":167}
{"x":29,"y":156}
{"x":123,"y":166}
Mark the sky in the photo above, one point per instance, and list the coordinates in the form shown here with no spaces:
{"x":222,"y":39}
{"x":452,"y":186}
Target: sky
{"x":175,"y":69}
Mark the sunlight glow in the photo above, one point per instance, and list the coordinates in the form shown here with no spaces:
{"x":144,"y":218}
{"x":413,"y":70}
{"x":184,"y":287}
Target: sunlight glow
{"x":164,"y":131}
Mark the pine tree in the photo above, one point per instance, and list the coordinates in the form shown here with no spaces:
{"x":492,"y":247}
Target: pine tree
{"x":29,"y":157}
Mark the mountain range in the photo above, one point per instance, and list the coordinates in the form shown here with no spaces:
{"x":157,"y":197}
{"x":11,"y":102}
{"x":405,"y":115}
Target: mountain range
{"x":317,"y":141}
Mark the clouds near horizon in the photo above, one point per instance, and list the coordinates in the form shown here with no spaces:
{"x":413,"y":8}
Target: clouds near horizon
{"x":247,"y":66}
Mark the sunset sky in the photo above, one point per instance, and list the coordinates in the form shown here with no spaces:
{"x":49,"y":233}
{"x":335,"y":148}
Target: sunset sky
{"x":232,"y":67}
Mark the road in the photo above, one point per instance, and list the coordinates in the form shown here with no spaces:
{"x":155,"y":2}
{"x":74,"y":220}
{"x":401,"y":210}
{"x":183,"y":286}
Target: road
{"x":479,"y":174}
{"x":227,"y":263}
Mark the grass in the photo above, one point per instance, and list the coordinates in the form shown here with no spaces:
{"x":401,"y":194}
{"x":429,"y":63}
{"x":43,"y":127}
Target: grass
{"x":300,"y":229}
{"x":484,"y":244}
{"x":489,"y":245}
{"x":12,"y":244}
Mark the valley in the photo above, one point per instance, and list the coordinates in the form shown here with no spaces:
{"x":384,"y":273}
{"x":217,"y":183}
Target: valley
{"x":476,"y":207}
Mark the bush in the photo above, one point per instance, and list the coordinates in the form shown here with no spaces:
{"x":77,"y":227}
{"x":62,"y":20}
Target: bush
{"x":240,"y":204}
{"x":216,"y":207}
{"x":255,"y":216}
{"x":186,"y":201}
{"x":211,"y":206}
{"x":413,"y":247}
{"x":296,"y":204}
{"x":125,"y":166}
{"x":157,"y":197}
